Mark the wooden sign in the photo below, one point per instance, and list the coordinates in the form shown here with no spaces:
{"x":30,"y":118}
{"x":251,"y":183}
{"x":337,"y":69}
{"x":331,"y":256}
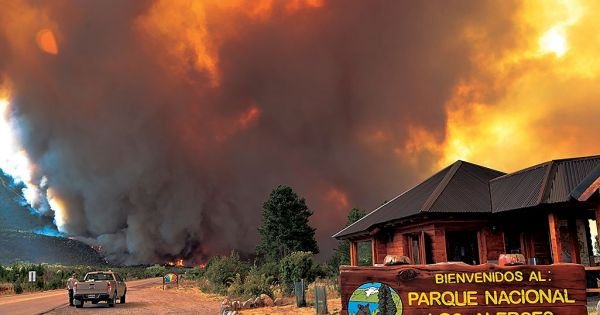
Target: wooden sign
{"x":458,"y":289}
{"x":170,"y":278}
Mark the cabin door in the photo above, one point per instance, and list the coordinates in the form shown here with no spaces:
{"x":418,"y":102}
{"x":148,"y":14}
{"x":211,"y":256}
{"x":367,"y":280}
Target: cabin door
{"x":462,"y":246}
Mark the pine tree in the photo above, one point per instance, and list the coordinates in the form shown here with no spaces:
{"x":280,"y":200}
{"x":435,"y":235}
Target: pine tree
{"x":284,"y":228}
{"x":387,"y":306}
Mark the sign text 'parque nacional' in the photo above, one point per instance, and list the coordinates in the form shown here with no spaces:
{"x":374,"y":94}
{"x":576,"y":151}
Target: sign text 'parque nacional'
{"x":458,"y":289}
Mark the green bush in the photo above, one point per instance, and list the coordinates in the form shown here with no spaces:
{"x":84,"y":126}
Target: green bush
{"x":318,"y":271}
{"x":255,"y":284}
{"x":271,"y":270}
{"x":55,"y":283}
{"x":221,"y":272}
{"x":156,"y":271}
{"x":293,"y":267}
{"x":195,"y":273}
{"x":17,"y":287}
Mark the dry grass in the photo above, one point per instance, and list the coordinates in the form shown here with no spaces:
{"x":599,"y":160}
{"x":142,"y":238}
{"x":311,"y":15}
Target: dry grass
{"x":334,"y":303}
{"x":6,"y":289}
{"x":191,"y":287}
{"x":333,"y":306}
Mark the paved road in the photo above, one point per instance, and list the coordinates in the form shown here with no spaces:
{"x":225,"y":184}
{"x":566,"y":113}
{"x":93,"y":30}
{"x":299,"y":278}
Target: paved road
{"x":44,"y":302}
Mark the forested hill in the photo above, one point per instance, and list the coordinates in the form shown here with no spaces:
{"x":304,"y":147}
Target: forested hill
{"x":35,"y":248}
{"x":14,"y":213}
{"x":18,"y":242}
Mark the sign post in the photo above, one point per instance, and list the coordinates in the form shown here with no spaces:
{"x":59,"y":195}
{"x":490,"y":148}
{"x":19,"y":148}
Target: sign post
{"x":458,"y":289}
{"x":31,"y":278}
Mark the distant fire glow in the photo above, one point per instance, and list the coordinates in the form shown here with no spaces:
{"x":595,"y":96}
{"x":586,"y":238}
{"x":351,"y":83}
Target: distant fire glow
{"x":13,"y":158}
{"x":59,"y":208}
{"x":176,"y":263}
{"x":47,"y":42}
{"x":554,"y":41}
{"x":522,"y":105}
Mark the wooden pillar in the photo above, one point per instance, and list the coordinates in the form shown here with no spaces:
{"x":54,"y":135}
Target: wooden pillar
{"x":555,"y":244}
{"x":422,"y":253}
{"x":353,"y":253}
{"x":439,"y":246}
{"x":597,"y":219}
{"x":575,"y":251}
{"x":482,"y":244}
{"x":374,"y":251}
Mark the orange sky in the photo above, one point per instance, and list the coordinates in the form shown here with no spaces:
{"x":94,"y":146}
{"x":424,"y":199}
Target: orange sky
{"x":546,"y":100}
{"x":350,"y":103}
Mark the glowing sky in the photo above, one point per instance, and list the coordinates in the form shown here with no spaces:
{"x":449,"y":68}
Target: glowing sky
{"x":123,"y":115}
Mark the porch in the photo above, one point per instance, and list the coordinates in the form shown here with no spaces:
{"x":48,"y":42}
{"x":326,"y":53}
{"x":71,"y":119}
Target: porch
{"x":543,"y":236}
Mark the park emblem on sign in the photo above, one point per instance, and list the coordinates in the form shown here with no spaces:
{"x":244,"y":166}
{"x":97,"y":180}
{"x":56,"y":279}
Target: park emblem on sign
{"x":375,"y":298}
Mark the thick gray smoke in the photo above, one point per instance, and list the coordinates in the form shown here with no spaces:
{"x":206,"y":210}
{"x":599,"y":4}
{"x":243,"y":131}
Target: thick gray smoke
{"x":154,"y":163}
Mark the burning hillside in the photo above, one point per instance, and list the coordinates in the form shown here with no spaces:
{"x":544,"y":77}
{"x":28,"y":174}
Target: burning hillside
{"x":156,"y":129}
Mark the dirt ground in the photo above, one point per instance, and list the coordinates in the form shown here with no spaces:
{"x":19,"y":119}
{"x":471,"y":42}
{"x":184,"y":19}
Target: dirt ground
{"x":333,"y":306}
{"x":188,"y":299}
{"x":153,"y":300}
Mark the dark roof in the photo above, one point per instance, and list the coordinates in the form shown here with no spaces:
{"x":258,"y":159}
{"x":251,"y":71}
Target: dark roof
{"x":468,"y":188}
{"x":589,"y":186}
{"x":550,"y":182}
{"x":460,"y":187}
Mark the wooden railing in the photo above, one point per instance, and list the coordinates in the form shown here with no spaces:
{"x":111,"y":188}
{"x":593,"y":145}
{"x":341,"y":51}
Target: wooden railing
{"x":592,"y":269}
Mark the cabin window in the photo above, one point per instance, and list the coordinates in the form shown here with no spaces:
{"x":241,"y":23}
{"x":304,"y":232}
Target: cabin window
{"x":462,"y":246}
{"x":365,"y":253}
{"x":512,"y":241}
{"x":418,"y":248}
{"x":414,"y":249}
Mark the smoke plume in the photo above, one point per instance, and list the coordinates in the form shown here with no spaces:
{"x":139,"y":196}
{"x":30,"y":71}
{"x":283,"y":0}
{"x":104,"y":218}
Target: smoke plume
{"x":161,"y":126}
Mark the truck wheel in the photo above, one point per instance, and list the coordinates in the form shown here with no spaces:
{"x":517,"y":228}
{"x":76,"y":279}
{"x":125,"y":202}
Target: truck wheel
{"x":112,"y":301}
{"x":122,"y":301}
{"x":79,"y":305}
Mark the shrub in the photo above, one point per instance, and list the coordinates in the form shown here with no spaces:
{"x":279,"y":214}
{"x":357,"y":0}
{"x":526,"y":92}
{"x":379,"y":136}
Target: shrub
{"x":17,"y":287}
{"x":222,"y":271}
{"x":156,"y":271}
{"x":294,"y":267}
{"x":195,"y":273}
{"x":271,"y":270}
{"x":255,"y":284}
{"x":318,"y":271}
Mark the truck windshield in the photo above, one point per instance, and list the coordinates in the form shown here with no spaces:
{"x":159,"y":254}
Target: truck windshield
{"x":99,"y":276}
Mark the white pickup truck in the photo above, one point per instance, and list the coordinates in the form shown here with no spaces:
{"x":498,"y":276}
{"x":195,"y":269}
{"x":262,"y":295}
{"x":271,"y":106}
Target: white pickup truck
{"x":100,"y":286}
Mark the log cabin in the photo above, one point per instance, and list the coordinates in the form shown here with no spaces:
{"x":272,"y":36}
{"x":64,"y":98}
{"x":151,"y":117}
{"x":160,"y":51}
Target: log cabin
{"x":470,"y":213}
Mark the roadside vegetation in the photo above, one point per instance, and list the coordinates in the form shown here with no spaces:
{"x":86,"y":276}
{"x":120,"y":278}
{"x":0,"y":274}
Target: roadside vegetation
{"x":284,"y":255}
{"x":14,"y":277}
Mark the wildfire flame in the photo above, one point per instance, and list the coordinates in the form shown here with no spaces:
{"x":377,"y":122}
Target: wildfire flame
{"x":176,"y":263}
{"x":506,"y":122}
{"x":60,"y":211}
{"x":184,"y":30}
{"x":13,"y":158}
{"x":46,"y":41}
